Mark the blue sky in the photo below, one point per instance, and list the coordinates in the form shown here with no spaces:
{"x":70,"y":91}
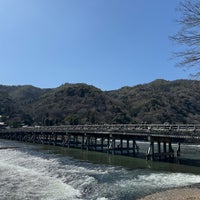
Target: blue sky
{"x":105,"y":43}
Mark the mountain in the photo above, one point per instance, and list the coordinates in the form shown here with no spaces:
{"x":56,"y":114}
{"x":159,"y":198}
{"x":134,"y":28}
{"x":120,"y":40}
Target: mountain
{"x":162,"y":101}
{"x":157,"y":102}
{"x":74,"y":104}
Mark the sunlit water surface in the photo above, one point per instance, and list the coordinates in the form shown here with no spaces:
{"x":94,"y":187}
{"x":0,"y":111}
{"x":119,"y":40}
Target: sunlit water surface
{"x":55,"y":173}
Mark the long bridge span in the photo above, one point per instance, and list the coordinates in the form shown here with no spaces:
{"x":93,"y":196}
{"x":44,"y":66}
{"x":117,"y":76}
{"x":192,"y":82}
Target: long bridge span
{"x":112,"y":138}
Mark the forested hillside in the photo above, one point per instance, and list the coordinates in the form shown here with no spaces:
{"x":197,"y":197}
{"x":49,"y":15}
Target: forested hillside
{"x":157,"y":102}
{"x":162,"y":101}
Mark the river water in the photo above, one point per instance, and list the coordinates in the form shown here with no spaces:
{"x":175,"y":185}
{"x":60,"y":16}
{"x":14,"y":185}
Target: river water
{"x":57,"y":173}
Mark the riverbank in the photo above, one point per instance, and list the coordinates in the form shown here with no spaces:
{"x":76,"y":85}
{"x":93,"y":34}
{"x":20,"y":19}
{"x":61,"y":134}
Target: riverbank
{"x":185,"y":193}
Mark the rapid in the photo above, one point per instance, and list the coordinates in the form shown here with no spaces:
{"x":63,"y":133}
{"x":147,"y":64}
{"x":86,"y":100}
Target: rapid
{"x":41,"y":172}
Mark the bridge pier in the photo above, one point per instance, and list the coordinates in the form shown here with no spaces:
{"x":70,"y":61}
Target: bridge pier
{"x":135,"y":147}
{"x":178,"y":152}
{"x":108,"y":144}
{"x":151,"y":154}
{"x":121,"y":146}
{"x":171,"y":151}
{"x":68,"y":140}
{"x":95,"y":143}
{"x":82,"y":141}
{"x":159,"y":151}
{"x":113,"y":143}
{"x":127,"y":146}
{"x":168,"y":153}
{"x":165,"y":150}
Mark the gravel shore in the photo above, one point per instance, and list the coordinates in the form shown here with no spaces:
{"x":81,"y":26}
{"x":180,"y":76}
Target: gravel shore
{"x":186,"y":193}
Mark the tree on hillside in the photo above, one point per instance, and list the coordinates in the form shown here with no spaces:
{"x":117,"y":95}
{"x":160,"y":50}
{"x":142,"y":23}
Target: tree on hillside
{"x":189,"y":34}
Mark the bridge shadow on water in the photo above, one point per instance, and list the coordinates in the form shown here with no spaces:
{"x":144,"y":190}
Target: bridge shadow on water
{"x":181,"y":165}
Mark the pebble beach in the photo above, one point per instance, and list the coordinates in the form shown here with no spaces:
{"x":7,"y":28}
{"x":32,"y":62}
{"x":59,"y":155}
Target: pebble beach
{"x":185,"y":193}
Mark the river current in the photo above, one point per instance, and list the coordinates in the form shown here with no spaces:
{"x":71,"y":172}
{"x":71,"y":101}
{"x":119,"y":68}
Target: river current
{"x":55,"y":173}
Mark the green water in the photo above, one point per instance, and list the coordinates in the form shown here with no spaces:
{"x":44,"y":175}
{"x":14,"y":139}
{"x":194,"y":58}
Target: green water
{"x":131,"y":162}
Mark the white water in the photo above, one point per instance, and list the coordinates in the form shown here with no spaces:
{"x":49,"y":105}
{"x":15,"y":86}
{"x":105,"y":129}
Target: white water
{"x":29,"y":173}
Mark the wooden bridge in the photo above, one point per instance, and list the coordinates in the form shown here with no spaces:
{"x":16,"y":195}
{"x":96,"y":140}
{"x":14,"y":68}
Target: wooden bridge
{"x":112,"y":138}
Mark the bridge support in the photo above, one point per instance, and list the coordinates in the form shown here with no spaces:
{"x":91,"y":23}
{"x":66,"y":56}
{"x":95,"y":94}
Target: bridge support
{"x":168,"y":153}
{"x":127,"y":146}
{"x":113,"y":145}
{"x":178,"y":152}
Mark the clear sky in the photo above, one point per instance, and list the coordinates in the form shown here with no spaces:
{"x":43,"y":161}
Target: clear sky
{"x":105,"y":43}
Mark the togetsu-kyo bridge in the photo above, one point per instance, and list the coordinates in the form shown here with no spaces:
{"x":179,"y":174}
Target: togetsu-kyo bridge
{"x":112,"y":138}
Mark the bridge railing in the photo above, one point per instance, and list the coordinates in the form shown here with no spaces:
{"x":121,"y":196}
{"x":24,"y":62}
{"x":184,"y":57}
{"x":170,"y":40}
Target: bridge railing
{"x":160,"y":128}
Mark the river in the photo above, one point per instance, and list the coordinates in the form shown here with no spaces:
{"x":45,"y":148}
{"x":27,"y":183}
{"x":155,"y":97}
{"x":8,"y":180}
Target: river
{"x":44,"y":172}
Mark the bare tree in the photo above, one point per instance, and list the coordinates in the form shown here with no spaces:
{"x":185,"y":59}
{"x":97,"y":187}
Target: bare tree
{"x":189,"y":34}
